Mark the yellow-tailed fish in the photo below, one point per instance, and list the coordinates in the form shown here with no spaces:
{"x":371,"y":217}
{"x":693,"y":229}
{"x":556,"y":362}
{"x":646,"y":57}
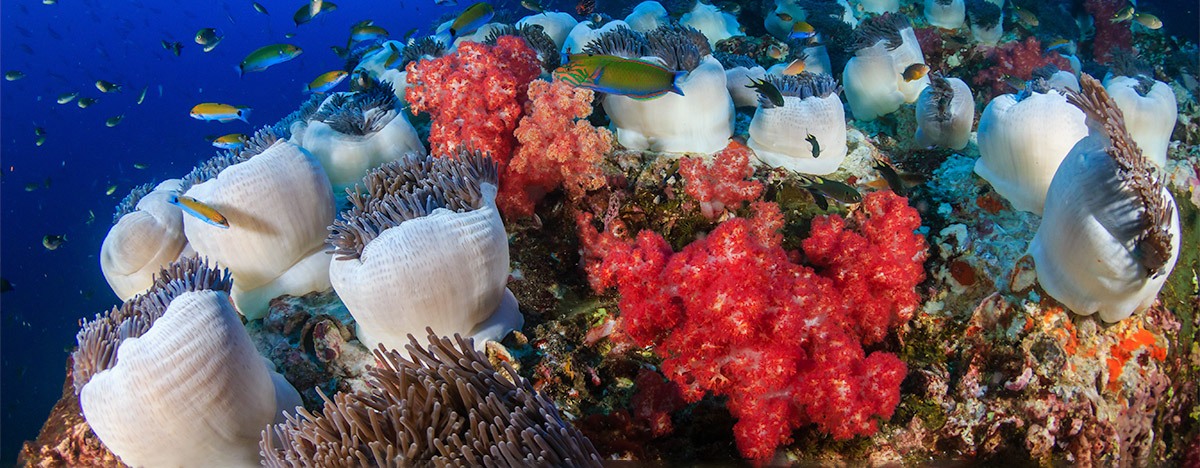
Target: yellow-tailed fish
{"x":198,"y":209}
{"x":84,"y":102}
{"x":802,"y":30}
{"x":107,"y":87}
{"x":140,"y":165}
{"x":142,"y":97}
{"x":232,"y":141}
{"x":13,"y":75}
{"x":410,"y":33}
{"x":261,"y":9}
{"x":915,"y":71}
{"x":1124,"y":15}
{"x":1057,"y":44}
{"x":111,"y":188}
{"x":113,"y":121}
{"x":367,"y":32}
{"x":66,"y":98}
{"x":471,"y":19}
{"x":775,"y":52}
{"x":303,"y":15}
{"x":768,"y":92}
{"x":1148,"y":20}
{"x":220,"y":112}
{"x":637,"y":79}
{"x":794,"y":68}
{"x":266,"y":56}
{"x":395,"y":55}
{"x":325,"y":82}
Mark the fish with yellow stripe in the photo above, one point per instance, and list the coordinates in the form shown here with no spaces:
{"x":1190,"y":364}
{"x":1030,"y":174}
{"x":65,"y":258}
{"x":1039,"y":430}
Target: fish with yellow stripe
{"x":471,"y":19}
{"x":637,"y":79}
{"x":266,"y":56}
{"x":198,"y":209}
{"x":220,"y":112}
{"x":325,"y":82}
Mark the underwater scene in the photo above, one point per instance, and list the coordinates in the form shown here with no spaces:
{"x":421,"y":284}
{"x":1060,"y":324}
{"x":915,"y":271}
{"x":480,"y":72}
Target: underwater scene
{"x":599,"y":233}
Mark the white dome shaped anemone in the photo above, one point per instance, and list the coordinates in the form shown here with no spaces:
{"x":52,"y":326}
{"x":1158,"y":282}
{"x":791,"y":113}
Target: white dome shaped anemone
{"x":172,"y":379}
{"x":278,"y":202}
{"x":945,"y":14}
{"x":874,"y":77}
{"x":291,"y":127}
{"x":1022,"y":139}
{"x":647,"y":16}
{"x":779,"y":135}
{"x":425,"y":247}
{"x":354,"y":132}
{"x":587,"y":31}
{"x":1110,"y":233}
{"x":740,"y":73}
{"x":1150,"y":111}
{"x":147,"y":234}
{"x":945,"y":113}
{"x":714,"y":23}
{"x":555,"y":24}
{"x":984,"y":19}
{"x":536,"y":38}
{"x":877,"y":6}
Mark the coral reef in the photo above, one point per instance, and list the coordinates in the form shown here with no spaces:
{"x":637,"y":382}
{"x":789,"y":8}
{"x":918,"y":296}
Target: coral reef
{"x":1111,"y":36}
{"x":722,"y":183}
{"x":1017,"y":59}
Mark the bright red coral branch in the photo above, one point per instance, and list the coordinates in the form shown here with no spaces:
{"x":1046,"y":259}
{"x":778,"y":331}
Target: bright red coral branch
{"x":733,"y":316}
{"x":722,"y":183}
{"x":1016,"y":59}
{"x":475,"y":95}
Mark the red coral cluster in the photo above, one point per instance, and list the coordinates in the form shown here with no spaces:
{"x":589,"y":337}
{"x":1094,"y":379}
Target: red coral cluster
{"x":1110,"y":36}
{"x":475,"y":95}
{"x":723,"y":183}
{"x":1016,"y":59}
{"x":733,"y":316}
{"x":558,"y":148}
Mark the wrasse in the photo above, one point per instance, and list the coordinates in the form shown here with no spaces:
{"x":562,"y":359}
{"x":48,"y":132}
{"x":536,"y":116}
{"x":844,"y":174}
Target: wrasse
{"x":367,"y":32}
{"x":232,"y":141}
{"x":471,"y":19}
{"x":220,"y":112}
{"x":1057,"y":44}
{"x":303,"y":15}
{"x":325,"y":82}
{"x":264,"y":57}
{"x":802,"y":30}
{"x":198,"y":209}
{"x":637,"y":79}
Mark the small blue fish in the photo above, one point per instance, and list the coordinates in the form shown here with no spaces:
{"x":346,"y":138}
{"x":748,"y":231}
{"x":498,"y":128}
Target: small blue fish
{"x":198,"y":209}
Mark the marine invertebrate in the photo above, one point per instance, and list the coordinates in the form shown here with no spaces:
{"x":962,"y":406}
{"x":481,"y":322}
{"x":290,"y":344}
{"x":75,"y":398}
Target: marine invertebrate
{"x":147,"y":234}
{"x":291,"y":126}
{"x":443,"y":406}
{"x":475,"y":95}
{"x":1111,"y":36}
{"x":278,"y":202}
{"x":1016,"y":59}
{"x":733,"y":316}
{"x":723,"y":183}
{"x":945,"y":113}
{"x":1149,"y":109}
{"x":353,"y":132}
{"x":555,"y":24}
{"x":983,"y":17}
{"x":619,"y":41}
{"x":424,"y":48}
{"x":177,"y":359}
{"x":1110,"y":232}
{"x":585,"y":32}
{"x":679,"y":46}
{"x":536,"y":38}
{"x":1022,"y":139}
{"x":424,"y":247}
{"x":714,"y":23}
{"x":647,"y":16}
{"x":884,"y":47}
{"x":945,"y":14}
{"x":558,"y":148}
{"x":779,"y":135}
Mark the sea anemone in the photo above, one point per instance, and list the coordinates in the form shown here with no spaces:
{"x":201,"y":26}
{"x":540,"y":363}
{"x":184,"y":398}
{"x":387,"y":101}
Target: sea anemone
{"x":427,"y":47}
{"x":699,"y":121}
{"x":444,"y":406}
{"x":714,"y":23}
{"x":620,"y":41}
{"x":424,"y":247}
{"x":588,"y":31}
{"x":1110,"y":232}
{"x":556,"y":24}
{"x":884,"y":46}
{"x":536,"y":38}
{"x":278,"y":201}
{"x":647,"y":16}
{"x":945,"y":113}
{"x":172,"y":379}
{"x":983,"y":17}
{"x":1150,"y":111}
{"x":147,"y":234}
{"x":291,"y":126}
{"x":778,"y":134}
{"x":352,"y":133}
{"x":680,"y":47}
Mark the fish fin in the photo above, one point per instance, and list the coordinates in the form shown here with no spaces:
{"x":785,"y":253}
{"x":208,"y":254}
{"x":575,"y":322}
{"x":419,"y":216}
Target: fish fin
{"x":675,"y":83}
{"x":244,"y":114}
{"x":239,"y":70}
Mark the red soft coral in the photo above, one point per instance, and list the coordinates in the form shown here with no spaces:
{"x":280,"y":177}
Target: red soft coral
{"x":733,"y":316}
{"x":1110,"y":36}
{"x":723,"y":183}
{"x":475,"y":95}
{"x":1016,"y":59}
{"x":558,"y":148}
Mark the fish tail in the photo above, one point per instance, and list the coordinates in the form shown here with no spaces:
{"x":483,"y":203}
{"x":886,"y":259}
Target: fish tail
{"x":239,"y":70}
{"x":675,"y":83}
{"x":244,"y":114}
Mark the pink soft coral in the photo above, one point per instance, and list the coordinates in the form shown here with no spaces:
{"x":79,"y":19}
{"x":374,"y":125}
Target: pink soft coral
{"x":1110,"y":36}
{"x":1016,"y":59}
{"x":733,"y":316}
{"x":558,"y":148}
{"x":475,"y":95}
{"x":723,"y":183}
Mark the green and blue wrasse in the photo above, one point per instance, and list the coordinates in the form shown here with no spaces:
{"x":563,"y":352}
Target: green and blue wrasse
{"x":325,"y":82}
{"x":367,"y":32}
{"x":304,"y":15}
{"x":107,"y":87}
{"x":232,"y":141}
{"x":471,"y":19}
{"x":220,"y":112}
{"x":767,"y":91}
{"x":267,"y":56}
{"x":802,"y":30}
{"x":637,"y":79}
{"x":66,"y":98}
{"x":1057,"y":44}
{"x":837,"y":190}
{"x":198,"y":209}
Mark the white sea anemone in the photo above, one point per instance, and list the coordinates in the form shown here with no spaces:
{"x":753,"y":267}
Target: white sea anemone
{"x":147,"y":234}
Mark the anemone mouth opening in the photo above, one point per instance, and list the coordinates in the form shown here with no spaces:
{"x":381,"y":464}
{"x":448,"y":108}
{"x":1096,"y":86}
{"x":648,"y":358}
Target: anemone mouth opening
{"x":883,"y":28}
{"x":99,"y":338}
{"x":129,"y":203}
{"x":941,"y":94}
{"x":359,"y":113}
{"x":805,"y":84}
{"x":983,"y":14}
{"x":425,"y":46}
{"x":681,"y":47}
{"x":444,"y":405}
{"x":409,"y":188}
{"x":1137,"y":176}
{"x":534,"y":36}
